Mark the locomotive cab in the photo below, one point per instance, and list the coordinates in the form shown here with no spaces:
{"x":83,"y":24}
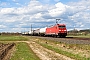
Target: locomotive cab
{"x":62,"y":31}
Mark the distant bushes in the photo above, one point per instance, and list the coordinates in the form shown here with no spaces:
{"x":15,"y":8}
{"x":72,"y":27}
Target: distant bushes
{"x":10,"y":34}
{"x":75,"y":32}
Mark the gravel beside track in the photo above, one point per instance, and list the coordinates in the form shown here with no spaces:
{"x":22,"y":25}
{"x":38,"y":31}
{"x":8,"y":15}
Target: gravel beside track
{"x":68,"y":40}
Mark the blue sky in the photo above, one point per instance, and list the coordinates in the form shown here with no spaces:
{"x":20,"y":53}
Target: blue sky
{"x":18,"y":15}
{"x":13,"y":3}
{"x":19,"y":3}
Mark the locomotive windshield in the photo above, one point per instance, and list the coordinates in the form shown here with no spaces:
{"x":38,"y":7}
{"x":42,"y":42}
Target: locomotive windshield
{"x":61,"y":26}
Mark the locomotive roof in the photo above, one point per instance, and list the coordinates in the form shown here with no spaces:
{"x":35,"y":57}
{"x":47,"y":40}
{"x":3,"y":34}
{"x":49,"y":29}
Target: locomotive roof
{"x":60,"y":24}
{"x":57,"y":24}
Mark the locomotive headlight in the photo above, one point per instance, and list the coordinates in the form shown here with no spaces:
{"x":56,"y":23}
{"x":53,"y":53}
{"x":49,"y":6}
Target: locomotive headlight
{"x":59,"y":30}
{"x":65,"y":30}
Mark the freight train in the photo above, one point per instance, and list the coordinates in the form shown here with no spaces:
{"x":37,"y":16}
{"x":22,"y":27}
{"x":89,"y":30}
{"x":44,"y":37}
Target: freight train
{"x":58,"y":30}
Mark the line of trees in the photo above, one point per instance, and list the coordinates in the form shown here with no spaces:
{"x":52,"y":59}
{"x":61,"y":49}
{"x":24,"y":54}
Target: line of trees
{"x":8,"y":33}
{"x":80,"y":32}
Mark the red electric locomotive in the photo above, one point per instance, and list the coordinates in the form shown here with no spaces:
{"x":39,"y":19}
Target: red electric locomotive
{"x":58,"y":30}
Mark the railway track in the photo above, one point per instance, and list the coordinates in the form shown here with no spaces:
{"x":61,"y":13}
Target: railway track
{"x":69,"y":40}
{"x":4,"y":48}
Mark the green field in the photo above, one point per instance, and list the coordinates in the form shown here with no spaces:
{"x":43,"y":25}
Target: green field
{"x":70,"y":49}
{"x":69,"y":54}
{"x":13,"y":38}
{"x":23,"y":52}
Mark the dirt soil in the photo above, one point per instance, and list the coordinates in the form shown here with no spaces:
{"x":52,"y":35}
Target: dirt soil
{"x":9,"y":54}
{"x":45,"y":54}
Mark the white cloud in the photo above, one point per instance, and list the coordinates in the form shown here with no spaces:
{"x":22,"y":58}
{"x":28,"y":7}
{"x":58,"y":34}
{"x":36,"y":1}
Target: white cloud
{"x":10,"y":21}
{"x":2,"y":26}
{"x":60,"y":8}
{"x":6,"y":10}
{"x":75,"y":14}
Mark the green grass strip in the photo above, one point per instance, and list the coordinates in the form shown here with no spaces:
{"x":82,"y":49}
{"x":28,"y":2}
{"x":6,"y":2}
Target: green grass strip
{"x":12,"y":38}
{"x":23,"y":52}
{"x":60,"y":51}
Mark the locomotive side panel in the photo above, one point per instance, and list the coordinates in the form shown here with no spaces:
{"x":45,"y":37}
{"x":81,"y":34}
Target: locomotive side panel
{"x":51,"y":31}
